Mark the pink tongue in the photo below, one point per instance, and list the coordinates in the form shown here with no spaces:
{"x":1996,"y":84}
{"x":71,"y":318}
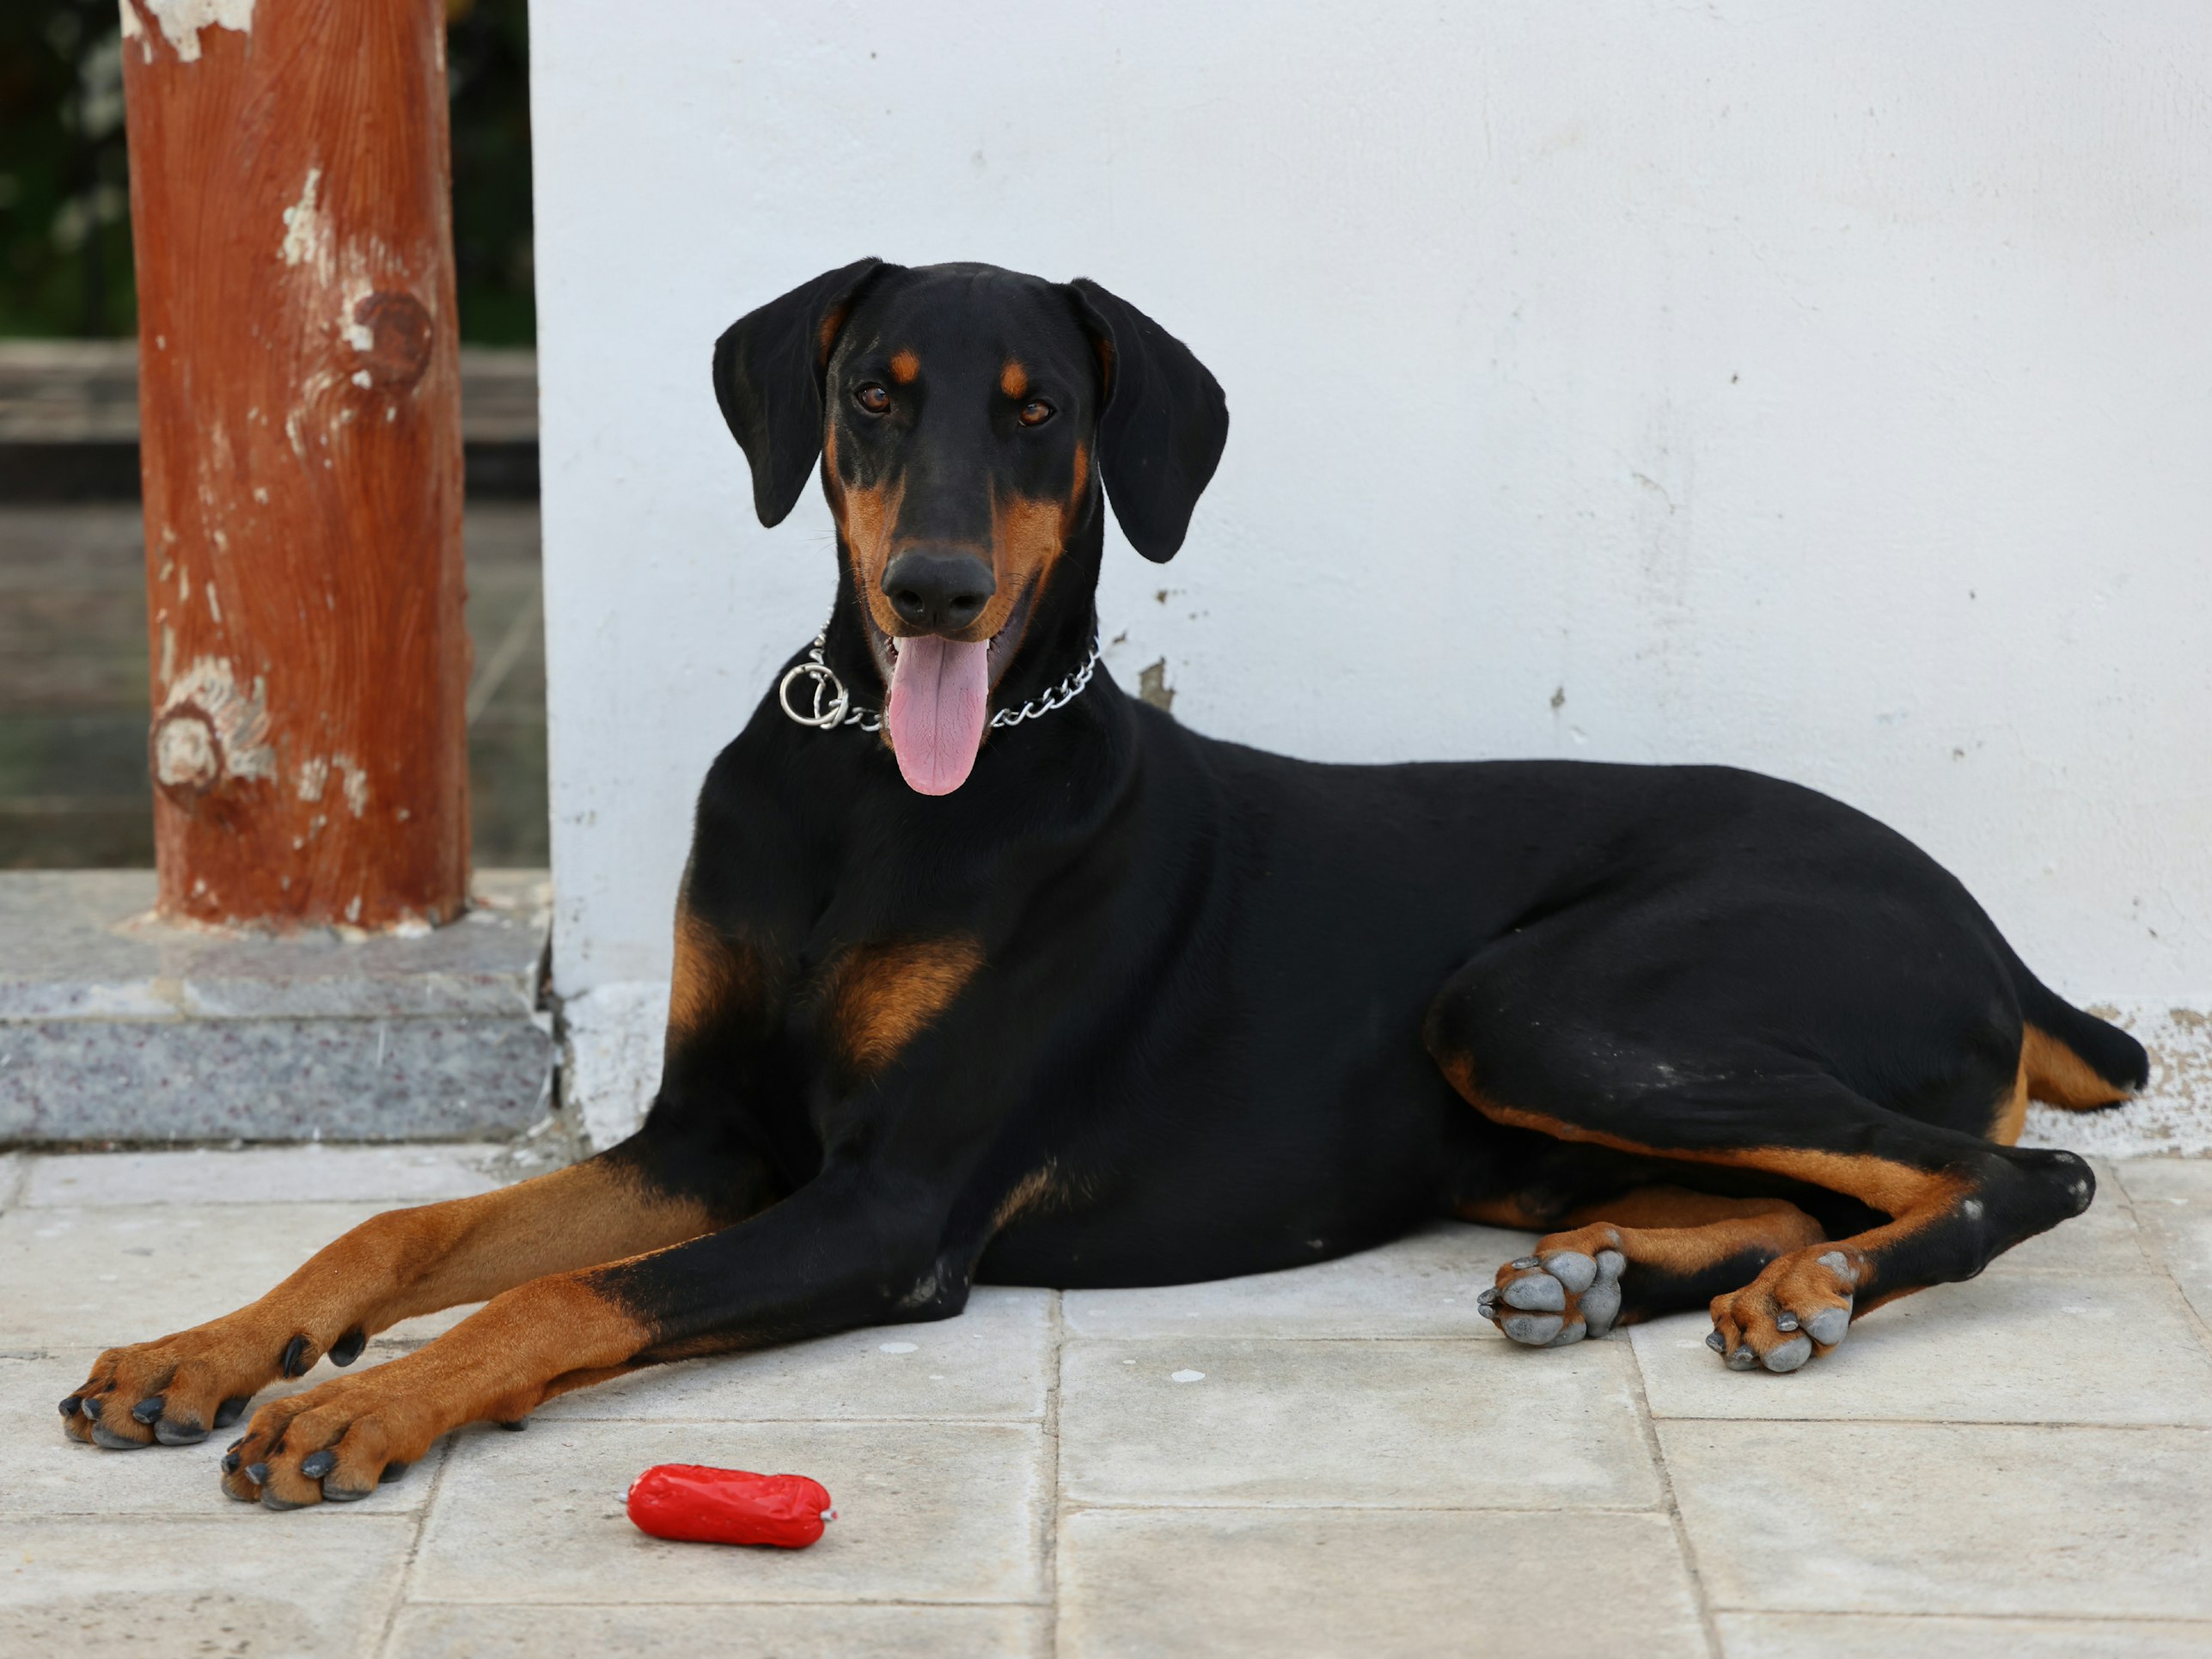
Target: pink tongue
{"x":936,"y":711}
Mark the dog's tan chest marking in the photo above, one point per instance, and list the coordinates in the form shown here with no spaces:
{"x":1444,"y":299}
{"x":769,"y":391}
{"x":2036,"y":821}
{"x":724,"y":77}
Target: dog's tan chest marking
{"x":715,"y":977}
{"x":878,"y":997}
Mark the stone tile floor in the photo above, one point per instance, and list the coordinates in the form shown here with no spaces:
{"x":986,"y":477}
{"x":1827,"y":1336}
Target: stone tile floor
{"x":1342,"y":1459}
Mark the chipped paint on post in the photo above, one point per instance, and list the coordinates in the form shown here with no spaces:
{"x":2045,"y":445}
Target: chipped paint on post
{"x":355,"y":784}
{"x":306,"y":237}
{"x":181,"y":21}
{"x":209,"y":732}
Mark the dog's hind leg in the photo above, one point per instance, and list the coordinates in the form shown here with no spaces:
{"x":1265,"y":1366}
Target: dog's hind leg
{"x":1652,"y":1250}
{"x":1525,"y":1055}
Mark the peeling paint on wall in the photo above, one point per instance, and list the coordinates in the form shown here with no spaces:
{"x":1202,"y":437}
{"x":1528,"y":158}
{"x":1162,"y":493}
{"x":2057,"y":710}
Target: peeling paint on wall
{"x":181,"y":21}
{"x":1152,"y":687}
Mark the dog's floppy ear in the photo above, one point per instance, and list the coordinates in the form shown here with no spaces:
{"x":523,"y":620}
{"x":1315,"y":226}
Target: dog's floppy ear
{"x":1163,"y":425}
{"x":767,"y":378}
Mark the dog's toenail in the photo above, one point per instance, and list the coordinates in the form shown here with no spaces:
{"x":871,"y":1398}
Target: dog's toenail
{"x":315,"y":1465}
{"x":230,"y":1462}
{"x":1714,"y":1341}
{"x":257,"y":1472}
{"x":70,"y":1405}
{"x":1785,"y":1321}
{"x":1522,"y":1263}
{"x":1743,"y":1359}
{"x":231,"y":1410}
{"x":295,"y":1362}
{"x":149,"y":1408}
{"x":347,"y":1348}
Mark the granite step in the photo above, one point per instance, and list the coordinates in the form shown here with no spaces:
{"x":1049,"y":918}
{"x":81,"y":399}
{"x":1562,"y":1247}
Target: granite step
{"x":114,"y":1027}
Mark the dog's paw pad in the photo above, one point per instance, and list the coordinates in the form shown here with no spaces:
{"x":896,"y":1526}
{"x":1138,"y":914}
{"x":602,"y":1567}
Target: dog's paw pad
{"x":1533,"y":1330}
{"x":1799,"y":1307}
{"x":1828,"y":1326}
{"x":1787,"y":1355}
{"x":1537,"y":1292}
{"x":1557,"y":1298}
{"x":1574,"y":1271}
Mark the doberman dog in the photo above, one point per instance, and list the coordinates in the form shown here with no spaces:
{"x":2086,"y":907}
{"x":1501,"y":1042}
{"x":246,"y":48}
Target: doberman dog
{"x":1022,"y":981}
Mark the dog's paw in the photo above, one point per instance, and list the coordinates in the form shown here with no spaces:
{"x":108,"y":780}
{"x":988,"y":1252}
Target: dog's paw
{"x":176,"y":1391}
{"x":1800,"y":1307}
{"x":337,"y":1442}
{"x":1569,"y":1290}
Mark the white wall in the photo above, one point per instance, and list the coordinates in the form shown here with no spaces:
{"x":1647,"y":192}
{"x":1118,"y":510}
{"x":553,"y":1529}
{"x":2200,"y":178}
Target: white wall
{"x":1822,"y":390}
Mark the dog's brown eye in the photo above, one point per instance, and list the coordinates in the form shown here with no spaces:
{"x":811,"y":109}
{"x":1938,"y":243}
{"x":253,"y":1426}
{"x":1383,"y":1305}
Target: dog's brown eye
{"x":1036,"y":412}
{"x":872,"y":398}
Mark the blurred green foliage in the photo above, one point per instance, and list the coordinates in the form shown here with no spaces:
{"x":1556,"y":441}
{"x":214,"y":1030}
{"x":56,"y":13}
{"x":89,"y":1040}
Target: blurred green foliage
{"x":65,"y":206}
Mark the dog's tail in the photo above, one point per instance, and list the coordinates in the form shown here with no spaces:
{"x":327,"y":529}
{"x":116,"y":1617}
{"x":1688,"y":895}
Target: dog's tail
{"x":2073,"y":1059}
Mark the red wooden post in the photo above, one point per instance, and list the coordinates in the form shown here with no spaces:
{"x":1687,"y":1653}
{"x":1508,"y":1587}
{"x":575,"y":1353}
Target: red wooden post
{"x":300,"y":419}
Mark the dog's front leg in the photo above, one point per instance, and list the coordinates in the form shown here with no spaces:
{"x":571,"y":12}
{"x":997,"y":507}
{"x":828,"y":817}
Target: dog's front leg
{"x":398,"y":1265}
{"x":849,"y":1248}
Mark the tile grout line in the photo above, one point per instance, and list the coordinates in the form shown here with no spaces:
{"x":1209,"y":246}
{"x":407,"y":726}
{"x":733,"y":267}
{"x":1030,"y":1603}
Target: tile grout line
{"x":2156,"y":1253}
{"x":744,"y":1605}
{"x":2147,"y":1622}
{"x":1647,"y":1425}
{"x":2118,"y":1185}
{"x":391,"y":1633}
{"x":1947,"y":1423}
{"x":1058,"y":1326}
{"x":13,"y":1194}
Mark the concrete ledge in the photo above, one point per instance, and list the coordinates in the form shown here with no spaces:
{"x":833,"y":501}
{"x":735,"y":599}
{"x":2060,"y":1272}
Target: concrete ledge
{"x":113,"y":1027}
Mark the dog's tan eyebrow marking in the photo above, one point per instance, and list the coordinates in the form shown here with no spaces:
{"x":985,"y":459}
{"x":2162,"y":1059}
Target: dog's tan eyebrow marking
{"x":905,"y":366}
{"x":1013,"y":379}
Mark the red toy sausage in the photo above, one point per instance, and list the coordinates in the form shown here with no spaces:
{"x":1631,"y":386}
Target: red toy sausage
{"x":702,"y":1505}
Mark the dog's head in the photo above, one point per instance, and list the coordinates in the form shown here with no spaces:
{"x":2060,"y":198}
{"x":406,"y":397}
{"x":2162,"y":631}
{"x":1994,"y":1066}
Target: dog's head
{"x":965,"y":416}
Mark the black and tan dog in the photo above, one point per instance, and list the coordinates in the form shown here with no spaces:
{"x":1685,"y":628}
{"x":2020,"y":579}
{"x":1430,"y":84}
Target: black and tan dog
{"x":1026,"y":983}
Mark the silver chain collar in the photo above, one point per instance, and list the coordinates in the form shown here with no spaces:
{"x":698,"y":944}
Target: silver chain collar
{"x":832,"y":704}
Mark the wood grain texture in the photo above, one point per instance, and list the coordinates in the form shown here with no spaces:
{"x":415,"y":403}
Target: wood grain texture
{"x":300,"y":406}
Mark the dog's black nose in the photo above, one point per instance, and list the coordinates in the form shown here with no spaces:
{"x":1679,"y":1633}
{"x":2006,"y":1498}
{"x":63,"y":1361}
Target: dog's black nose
{"x":938,"y":590}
